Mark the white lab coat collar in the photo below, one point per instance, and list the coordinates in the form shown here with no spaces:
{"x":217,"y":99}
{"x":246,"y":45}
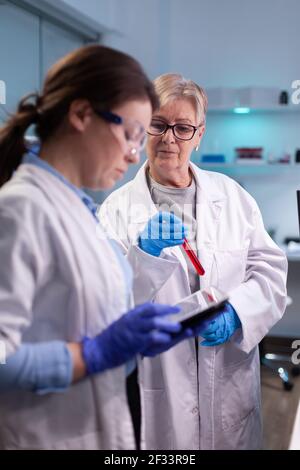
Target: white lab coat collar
{"x":207,"y":186}
{"x":210,"y":202}
{"x":207,"y":191}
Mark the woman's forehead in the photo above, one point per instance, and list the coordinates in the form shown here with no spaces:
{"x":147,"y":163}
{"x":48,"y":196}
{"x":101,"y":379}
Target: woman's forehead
{"x":178,"y":109}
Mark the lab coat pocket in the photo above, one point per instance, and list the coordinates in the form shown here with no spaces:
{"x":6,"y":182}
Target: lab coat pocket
{"x":240,"y":392}
{"x":158,"y":432}
{"x":230,"y":266}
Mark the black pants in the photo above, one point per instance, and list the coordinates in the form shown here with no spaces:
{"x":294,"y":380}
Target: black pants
{"x":134,"y":402}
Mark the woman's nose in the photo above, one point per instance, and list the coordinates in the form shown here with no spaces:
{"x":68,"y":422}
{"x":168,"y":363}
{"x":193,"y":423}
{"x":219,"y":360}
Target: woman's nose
{"x":168,"y":137}
{"x":133,"y":156}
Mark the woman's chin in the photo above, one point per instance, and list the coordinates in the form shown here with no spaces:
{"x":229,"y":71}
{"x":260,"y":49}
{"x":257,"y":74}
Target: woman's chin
{"x":109,"y":183}
{"x":103,"y":184}
{"x":168,"y":164}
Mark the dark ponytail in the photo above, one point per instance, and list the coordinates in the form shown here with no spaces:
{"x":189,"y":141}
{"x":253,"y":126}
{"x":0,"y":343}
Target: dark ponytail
{"x":12,"y":145}
{"x":103,"y":76}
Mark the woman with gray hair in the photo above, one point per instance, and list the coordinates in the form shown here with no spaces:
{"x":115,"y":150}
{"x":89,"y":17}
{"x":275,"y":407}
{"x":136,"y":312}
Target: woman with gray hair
{"x":201,"y":394}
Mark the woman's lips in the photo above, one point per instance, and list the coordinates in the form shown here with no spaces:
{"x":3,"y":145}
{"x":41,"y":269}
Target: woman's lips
{"x":121,"y":172}
{"x":166,"y":152}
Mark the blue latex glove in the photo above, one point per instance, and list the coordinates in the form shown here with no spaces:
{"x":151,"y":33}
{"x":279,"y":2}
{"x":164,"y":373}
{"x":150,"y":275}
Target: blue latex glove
{"x":163,"y":230}
{"x":143,"y":330}
{"x":155,"y":349}
{"x":220,"y":328}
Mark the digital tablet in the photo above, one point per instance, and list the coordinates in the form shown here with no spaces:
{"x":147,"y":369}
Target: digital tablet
{"x":199,"y":306}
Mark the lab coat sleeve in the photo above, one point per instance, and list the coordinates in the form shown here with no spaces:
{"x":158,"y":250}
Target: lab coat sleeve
{"x":260,"y":300}
{"x":19,"y":276}
{"x":150,"y":273}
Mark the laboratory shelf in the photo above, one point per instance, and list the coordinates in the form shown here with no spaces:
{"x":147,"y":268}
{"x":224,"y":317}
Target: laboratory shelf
{"x":262,"y":169}
{"x":291,"y":108}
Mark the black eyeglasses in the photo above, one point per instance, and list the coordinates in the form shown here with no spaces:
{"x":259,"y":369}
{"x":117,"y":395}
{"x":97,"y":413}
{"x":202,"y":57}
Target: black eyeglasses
{"x":180,"y":131}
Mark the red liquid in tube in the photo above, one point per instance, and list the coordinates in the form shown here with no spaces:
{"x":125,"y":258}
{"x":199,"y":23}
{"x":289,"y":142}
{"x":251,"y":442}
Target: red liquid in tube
{"x":193,"y":257}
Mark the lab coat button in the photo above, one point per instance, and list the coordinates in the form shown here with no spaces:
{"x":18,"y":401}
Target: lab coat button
{"x":195,"y":410}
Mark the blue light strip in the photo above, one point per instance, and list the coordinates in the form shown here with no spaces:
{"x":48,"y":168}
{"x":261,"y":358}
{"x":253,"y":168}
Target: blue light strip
{"x":241,"y":110}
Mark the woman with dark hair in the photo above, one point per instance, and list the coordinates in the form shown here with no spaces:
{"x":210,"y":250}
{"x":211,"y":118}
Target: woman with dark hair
{"x":63,"y":285}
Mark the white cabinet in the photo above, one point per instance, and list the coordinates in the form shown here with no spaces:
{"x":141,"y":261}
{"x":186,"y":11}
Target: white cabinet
{"x":29,"y":45}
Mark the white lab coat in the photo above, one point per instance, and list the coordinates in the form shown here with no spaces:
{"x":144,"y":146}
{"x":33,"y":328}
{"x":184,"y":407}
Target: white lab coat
{"x":58,"y":281}
{"x":218,"y":408}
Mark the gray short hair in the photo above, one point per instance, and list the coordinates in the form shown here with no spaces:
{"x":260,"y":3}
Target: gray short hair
{"x":170,"y":86}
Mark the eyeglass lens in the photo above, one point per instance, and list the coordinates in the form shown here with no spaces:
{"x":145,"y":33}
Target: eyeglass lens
{"x":181,"y":131}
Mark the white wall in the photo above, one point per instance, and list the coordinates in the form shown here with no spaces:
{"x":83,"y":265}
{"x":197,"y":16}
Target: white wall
{"x":138,"y":27}
{"x":236,"y":42}
{"x":215,"y":42}
{"x":99,"y":10}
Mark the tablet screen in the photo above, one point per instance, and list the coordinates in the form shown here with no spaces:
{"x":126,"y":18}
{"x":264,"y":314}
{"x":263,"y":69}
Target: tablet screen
{"x":199,"y":305}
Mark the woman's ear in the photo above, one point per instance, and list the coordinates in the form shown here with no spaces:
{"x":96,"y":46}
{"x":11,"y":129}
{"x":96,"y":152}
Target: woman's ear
{"x":80,"y":114}
{"x":199,"y":137}
{"x":201,"y":132}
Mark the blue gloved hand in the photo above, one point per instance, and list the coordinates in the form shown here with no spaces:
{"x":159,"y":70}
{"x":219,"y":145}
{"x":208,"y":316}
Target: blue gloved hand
{"x":163,"y":230}
{"x":220,"y":328}
{"x":141,"y":330}
{"x":160,"y":348}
